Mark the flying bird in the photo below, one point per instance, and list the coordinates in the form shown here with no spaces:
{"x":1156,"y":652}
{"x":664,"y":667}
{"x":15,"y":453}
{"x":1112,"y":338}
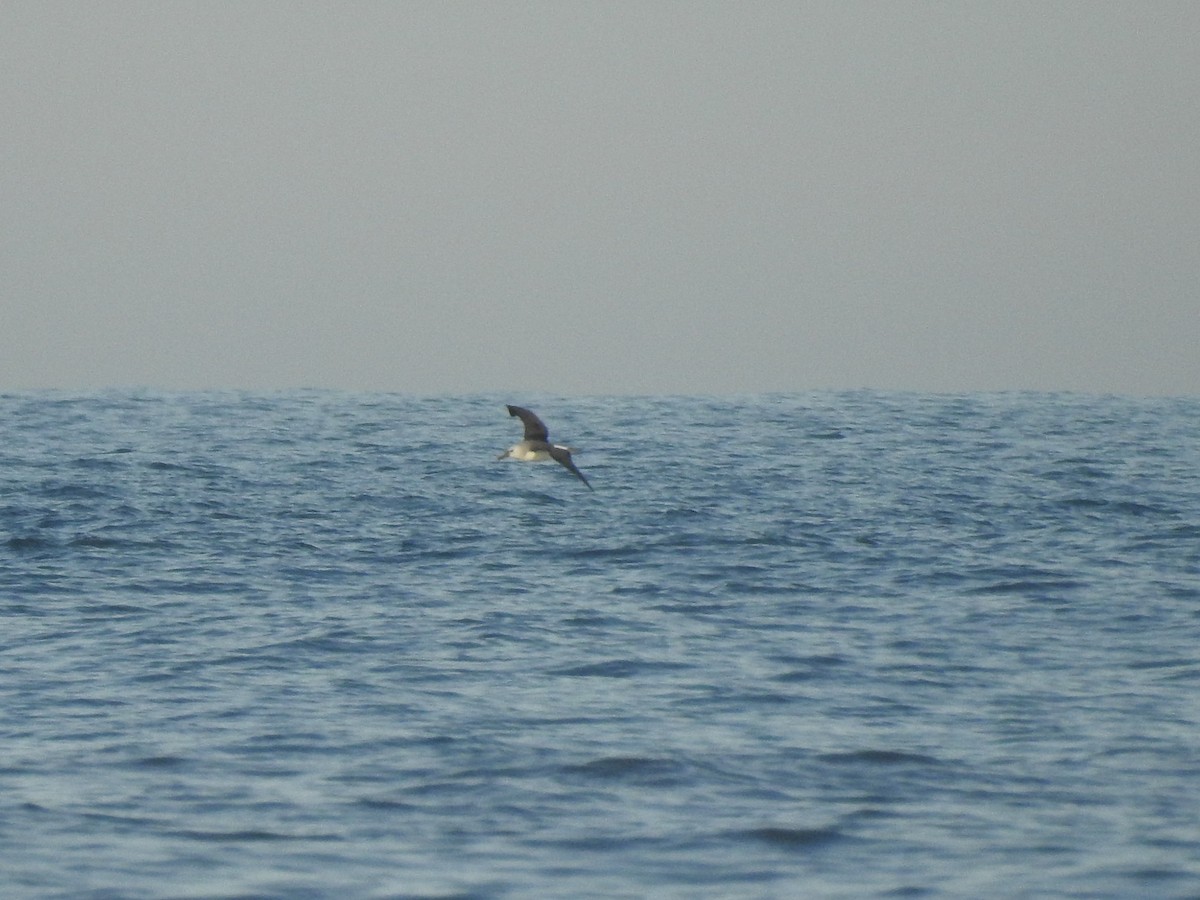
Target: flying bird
{"x":536,"y":444}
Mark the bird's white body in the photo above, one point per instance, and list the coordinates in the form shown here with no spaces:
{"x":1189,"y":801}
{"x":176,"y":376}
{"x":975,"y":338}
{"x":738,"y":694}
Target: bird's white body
{"x":536,"y":446}
{"x":525,"y":453}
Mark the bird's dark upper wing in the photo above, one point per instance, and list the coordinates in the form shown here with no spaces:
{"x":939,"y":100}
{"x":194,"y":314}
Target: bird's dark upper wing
{"x":535,"y":429}
{"x":562,"y":456}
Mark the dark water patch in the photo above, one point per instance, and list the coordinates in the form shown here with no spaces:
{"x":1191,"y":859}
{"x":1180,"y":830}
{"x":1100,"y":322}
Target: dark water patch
{"x":1078,"y":469}
{"x":1187,"y":877}
{"x":1129,"y":508}
{"x":1182,"y":674}
{"x":110,"y":610}
{"x":299,"y":545}
{"x":619,"y":668}
{"x":880,"y":758}
{"x":696,"y":607}
{"x":1168,"y":663}
{"x":315,"y":647}
{"x":636,"y":769}
{"x":32,"y":543}
{"x":618,"y":553}
{"x":537,"y":498}
{"x":157,"y":465}
{"x":100,"y":463}
{"x":916,"y":677}
{"x":813,"y":661}
{"x":799,"y":676}
{"x":719,"y":697}
{"x":770,"y":585}
{"x":593,"y":619}
{"x":868,"y":814}
{"x":104,"y":542}
{"x":89,"y":820}
{"x":91,"y":703}
{"x":1124,"y":620}
{"x":790,"y":838}
{"x":606,"y":843}
{"x":166,"y":761}
{"x":387,"y":804}
{"x":251,"y":836}
{"x":195,"y":587}
{"x":75,"y":492}
{"x":640,"y":589}
{"x":1039,"y":589}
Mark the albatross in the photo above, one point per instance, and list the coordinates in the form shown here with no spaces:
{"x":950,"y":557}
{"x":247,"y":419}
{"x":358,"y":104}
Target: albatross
{"x":536,"y":444}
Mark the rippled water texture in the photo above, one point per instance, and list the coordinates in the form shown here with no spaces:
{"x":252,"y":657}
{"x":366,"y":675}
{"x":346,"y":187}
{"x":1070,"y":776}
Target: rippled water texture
{"x":830,"y":645}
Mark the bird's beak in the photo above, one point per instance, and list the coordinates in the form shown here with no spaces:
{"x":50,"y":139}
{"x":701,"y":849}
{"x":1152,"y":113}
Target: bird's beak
{"x":502,"y":455}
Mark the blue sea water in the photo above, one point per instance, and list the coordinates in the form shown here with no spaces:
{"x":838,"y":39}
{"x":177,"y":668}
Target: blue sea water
{"x":860,"y":644}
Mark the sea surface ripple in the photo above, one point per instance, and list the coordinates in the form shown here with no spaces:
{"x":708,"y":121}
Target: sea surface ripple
{"x":855,"y":644}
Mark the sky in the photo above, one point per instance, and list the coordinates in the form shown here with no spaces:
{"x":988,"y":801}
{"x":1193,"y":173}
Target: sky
{"x":583,"y":198}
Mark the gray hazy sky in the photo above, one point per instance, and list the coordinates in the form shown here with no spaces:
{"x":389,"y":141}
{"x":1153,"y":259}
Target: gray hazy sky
{"x":648,"y":197}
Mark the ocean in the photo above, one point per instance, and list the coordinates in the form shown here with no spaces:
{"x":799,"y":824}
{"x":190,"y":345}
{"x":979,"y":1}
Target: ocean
{"x":858,"y":644}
